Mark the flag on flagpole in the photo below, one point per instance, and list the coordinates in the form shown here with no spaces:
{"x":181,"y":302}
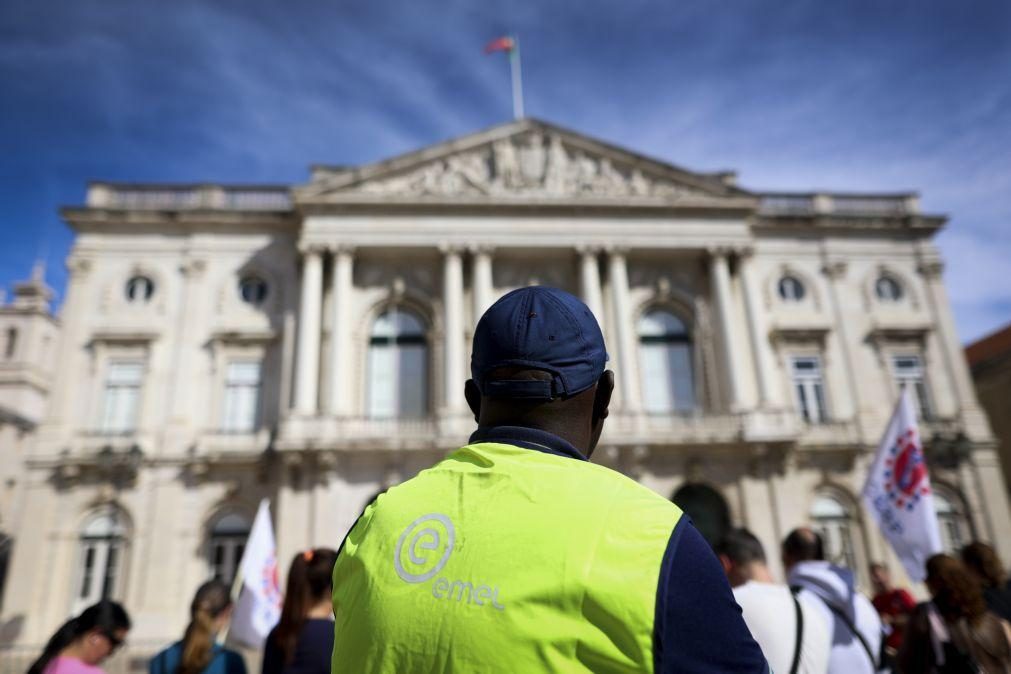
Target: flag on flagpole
{"x":259,"y":606}
{"x":511,"y":46}
{"x":504,"y":43}
{"x":897,"y":492}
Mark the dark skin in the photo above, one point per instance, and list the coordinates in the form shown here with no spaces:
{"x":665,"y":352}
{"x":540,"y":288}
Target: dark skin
{"x":577,"y":419}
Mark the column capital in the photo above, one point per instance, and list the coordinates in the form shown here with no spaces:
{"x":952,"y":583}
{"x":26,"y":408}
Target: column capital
{"x":481,"y":248}
{"x":615,"y":250}
{"x":721,"y":251}
{"x":307,"y":249}
{"x":835,"y":269}
{"x":590,"y":249}
{"x":451,"y":248}
{"x":194,"y":268}
{"x":745,"y":252}
{"x":342,"y":247}
{"x":931,"y":269}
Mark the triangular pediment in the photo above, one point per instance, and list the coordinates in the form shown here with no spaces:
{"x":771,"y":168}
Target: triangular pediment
{"x":523,"y":162}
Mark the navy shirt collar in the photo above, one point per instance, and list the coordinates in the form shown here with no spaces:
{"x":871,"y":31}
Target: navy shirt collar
{"x":527,"y":438}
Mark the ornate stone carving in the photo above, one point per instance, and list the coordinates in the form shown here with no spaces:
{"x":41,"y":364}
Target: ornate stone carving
{"x":529,"y":165}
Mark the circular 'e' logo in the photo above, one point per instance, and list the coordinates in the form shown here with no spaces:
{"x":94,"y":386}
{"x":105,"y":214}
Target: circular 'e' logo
{"x":421,"y":542}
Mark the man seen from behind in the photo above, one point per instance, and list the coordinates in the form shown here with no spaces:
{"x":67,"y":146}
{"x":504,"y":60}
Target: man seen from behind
{"x":514,"y":553}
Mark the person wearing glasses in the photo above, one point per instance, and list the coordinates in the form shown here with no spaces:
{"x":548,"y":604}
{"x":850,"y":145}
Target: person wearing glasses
{"x":197,"y":653}
{"x":85,"y":641}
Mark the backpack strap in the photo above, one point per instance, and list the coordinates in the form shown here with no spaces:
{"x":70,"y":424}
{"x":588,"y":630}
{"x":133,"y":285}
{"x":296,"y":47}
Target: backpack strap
{"x":853,"y":628}
{"x":795,"y":665}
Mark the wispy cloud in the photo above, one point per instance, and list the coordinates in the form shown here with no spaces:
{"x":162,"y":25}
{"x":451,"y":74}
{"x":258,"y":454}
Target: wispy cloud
{"x":796,"y":94}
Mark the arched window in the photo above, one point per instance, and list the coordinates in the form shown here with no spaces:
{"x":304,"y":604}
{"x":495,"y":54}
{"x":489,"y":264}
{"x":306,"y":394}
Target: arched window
{"x":102,"y":543}
{"x":707,"y":508}
{"x":887,"y":289}
{"x":139,"y":289}
{"x":227,"y":543}
{"x":950,"y":522}
{"x":834,"y":522}
{"x":791,"y":289}
{"x":665,"y":359}
{"x":398,"y":366}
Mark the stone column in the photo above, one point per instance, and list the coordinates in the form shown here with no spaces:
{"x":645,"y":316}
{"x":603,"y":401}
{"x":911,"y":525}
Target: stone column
{"x":758,"y":331}
{"x":720,"y":281}
{"x":835,"y":271}
{"x":452,"y":300}
{"x":340,"y":332}
{"x":625,"y":364}
{"x":482,"y":281}
{"x":308,"y":332}
{"x":589,"y":275}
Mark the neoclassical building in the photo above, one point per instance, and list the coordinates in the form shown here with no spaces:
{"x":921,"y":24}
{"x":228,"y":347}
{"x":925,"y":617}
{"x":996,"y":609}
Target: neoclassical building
{"x":309,"y":344}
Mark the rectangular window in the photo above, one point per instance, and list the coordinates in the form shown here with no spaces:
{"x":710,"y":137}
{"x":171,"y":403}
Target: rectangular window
{"x":808,"y":388}
{"x":122,"y":395}
{"x":908,"y":371}
{"x":242,"y":395}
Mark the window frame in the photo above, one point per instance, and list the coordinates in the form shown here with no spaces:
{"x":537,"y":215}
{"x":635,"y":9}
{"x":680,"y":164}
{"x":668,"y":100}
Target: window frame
{"x":105,"y":423}
{"x":99,"y":547}
{"x":811,"y":385}
{"x":231,"y":398}
{"x":232,"y":543}
{"x":847,"y":526}
{"x":669,"y":341}
{"x":898,"y":292}
{"x":800,"y":289}
{"x":920,"y":393}
{"x":130,"y":289}
{"x":395,"y":340}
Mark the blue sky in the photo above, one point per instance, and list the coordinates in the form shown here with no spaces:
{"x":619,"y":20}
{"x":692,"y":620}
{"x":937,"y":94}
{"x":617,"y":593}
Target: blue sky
{"x":877,"y":95}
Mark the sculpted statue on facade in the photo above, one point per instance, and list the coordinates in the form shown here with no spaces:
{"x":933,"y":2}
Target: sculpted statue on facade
{"x":527,"y":166}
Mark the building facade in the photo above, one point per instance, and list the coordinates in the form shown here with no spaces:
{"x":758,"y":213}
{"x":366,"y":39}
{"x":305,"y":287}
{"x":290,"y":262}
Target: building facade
{"x":990,"y":363}
{"x":308,"y":344}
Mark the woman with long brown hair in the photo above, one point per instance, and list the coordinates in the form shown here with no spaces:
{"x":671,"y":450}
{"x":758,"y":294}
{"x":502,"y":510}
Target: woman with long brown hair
{"x":954,"y":632}
{"x":197,"y":653}
{"x":302,"y":642}
{"x":983,"y":562}
{"x":85,"y":641}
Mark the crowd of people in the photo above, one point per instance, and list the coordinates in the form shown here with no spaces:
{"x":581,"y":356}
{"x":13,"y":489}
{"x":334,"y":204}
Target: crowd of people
{"x":300,"y":643}
{"x":516,"y":554}
{"x":818,"y":622}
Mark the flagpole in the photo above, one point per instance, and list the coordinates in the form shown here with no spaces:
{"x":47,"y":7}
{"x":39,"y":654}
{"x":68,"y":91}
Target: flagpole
{"x":514,"y":61}
{"x":237,"y":583}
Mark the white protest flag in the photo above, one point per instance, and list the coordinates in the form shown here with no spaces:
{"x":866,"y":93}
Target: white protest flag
{"x":259,"y":606}
{"x":898,"y":494}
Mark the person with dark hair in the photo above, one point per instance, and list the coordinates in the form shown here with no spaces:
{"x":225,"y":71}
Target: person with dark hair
{"x":85,"y":641}
{"x":893,"y":605}
{"x":857,"y":636}
{"x":791,"y":630}
{"x":983,"y":562}
{"x":954,"y":632}
{"x":198,"y":653}
{"x":302,"y":641}
{"x":516,"y":554}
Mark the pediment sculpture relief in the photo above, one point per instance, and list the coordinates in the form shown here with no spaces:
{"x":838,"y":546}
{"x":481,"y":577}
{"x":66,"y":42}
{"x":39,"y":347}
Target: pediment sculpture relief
{"x":533,"y":165}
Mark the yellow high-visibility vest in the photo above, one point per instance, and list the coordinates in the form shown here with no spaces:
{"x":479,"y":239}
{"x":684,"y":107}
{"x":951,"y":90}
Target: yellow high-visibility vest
{"x":500,"y":558}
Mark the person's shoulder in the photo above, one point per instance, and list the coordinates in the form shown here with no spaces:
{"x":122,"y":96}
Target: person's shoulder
{"x":234,"y":662}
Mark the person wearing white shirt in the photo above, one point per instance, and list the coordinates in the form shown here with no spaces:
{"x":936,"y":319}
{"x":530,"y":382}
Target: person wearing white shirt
{"x":793,"y":633}
{"x":856,"y":629}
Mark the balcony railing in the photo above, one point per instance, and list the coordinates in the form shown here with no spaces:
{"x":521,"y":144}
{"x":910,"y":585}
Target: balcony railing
{"x":838,"y":204}
{"x":215,"y":197}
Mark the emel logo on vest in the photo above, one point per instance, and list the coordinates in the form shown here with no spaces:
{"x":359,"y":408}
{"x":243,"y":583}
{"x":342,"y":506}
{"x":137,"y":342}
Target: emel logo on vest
{"x":417,"y":558}
{"x":434,"y":530}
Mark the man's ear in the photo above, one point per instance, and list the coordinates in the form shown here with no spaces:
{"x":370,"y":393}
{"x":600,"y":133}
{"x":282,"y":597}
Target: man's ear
{"x":602,"y":398}
{"x":473,"y":396}
{"x":727,"y":564}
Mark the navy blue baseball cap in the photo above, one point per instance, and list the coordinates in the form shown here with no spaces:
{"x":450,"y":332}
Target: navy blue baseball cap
{"x":538,"y":328}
